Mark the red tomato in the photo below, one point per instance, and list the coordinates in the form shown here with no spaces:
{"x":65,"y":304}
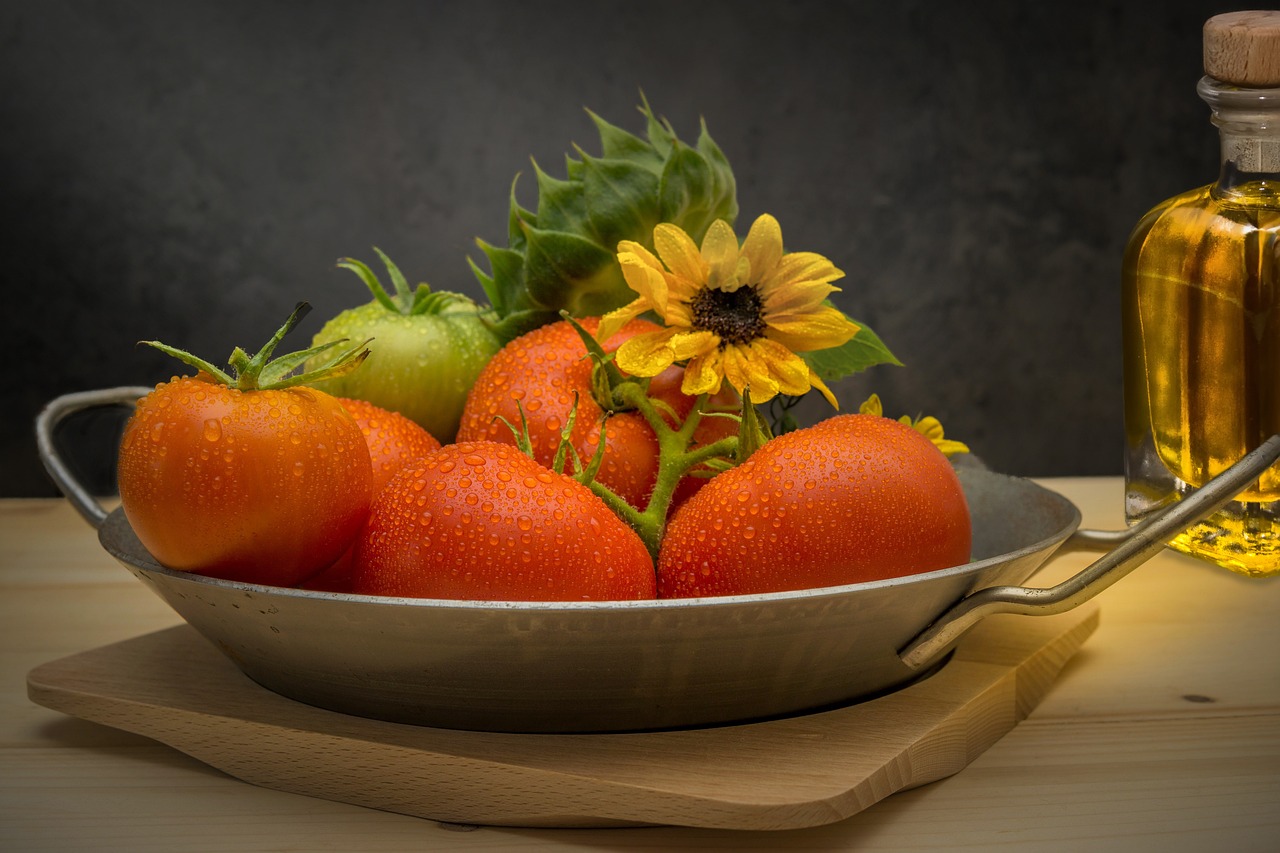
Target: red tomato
{"x":392,"y":438}
{"x":264,"y":486}
{"x":854,"y":498}
{"x":393,"y":441}
{"x":542,"y":370}
{"x":482,"y":521}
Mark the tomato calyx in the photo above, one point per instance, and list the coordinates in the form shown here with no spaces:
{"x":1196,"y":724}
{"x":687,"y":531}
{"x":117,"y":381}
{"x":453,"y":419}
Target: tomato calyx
{"x":260,"y":372}
{"x":408,"y":301}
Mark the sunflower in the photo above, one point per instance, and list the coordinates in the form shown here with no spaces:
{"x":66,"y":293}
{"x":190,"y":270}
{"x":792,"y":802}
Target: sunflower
{"x":929,"y":426}
{"x":730,"y":312}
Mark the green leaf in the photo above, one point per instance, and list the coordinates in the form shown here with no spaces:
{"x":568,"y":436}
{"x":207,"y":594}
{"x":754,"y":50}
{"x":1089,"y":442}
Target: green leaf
{"x":561,"y":205}
{"x":504,"y":286}
{"x":567,"y":271}
{"x":686,"y":196}
{"x":863,"y":350}
{"x":725,"y":190}
{"x":370,"y":279}
{"x":753,"y":433}
{"x":621,"y":201}
{"x":517,"y":322}
{"x":516,"y":215}
{"x":401,"y":284}
{"x":618,"y":144}
{"x":661,"y":136}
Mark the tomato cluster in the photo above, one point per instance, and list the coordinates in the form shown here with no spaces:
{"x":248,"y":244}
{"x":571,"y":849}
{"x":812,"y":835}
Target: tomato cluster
{"x":291,"y":486}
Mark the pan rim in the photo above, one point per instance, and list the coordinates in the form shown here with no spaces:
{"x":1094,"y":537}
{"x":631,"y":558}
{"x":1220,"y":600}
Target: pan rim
{"x":144,"y":562}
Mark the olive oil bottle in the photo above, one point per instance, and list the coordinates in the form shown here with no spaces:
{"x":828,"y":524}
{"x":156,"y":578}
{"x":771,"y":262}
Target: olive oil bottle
{"x":1201,"y":313}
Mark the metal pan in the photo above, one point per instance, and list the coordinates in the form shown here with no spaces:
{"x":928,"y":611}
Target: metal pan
{"x":625,"y":666}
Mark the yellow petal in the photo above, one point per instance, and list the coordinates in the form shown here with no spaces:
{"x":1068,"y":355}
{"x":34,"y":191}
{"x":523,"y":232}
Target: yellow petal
{"x":821,"y":329}
{"x":800,"y":297}
{"x":646,"y":354}
{"x":645,"y":279}
{"x":747,"y":372}
{"x":800,"y":266}
{"x":789,"y":371}
{"x":680,"y":253}
{"x":640,"y":251}
{"x":872,"y":406}
{"x":816,"y":382}
{"x":929,"y":427}
{"x":678,"y":313}
{"x":613,"y":321}
{"x":691,"y":344}
{"x":763,"y":246}
{"x":704,"y":374}
{"x":951,"y":448}
{"x":720,"y":251}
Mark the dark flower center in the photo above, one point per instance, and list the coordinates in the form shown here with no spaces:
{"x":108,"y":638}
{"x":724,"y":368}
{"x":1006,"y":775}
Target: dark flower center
{"x":737,"y":317}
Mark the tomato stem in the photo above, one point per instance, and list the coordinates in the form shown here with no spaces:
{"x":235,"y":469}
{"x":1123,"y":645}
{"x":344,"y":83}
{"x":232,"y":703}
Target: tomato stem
{"x":260,"y":372}
{"x":407,"y":300}
{"x":675,"y":460}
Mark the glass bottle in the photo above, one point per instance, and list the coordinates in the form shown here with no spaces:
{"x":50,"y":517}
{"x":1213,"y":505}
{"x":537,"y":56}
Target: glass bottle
{"x":1201,"y":314}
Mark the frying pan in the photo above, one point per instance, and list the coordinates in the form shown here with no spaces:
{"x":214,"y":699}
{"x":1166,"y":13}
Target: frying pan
{"x":639,"y":665}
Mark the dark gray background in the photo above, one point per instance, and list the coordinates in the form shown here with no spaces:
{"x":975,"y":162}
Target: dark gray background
{"x":188,"y":170}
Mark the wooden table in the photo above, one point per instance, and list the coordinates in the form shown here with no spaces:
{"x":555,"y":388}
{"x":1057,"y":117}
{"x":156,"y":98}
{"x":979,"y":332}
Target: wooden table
{"x":1163,"y":734}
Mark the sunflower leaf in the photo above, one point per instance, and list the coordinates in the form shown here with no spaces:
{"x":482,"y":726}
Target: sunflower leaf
{"x":561,"y":205}
{"x":621,"y":200}
{"x":565,"y":270}
{"x":863,"y":350}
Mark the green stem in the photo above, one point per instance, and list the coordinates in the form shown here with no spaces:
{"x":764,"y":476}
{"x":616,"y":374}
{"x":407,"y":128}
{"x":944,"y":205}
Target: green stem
{"x":675,"y":459}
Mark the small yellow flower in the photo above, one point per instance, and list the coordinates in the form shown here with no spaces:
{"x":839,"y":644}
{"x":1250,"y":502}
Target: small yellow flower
{"x":929,"y":427}
{"x":731,"y":312}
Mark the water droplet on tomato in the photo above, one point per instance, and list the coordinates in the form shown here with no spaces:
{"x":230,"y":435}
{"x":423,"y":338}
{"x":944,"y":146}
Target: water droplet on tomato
{"x":212,"y":430}
{"x":524,"y":522}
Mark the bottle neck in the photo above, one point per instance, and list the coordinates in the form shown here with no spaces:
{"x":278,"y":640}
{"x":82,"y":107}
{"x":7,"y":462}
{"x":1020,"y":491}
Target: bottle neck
{"x":1248,"y":122}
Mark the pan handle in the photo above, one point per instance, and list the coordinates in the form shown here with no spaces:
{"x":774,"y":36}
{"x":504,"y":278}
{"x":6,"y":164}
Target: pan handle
{"x":47,"y":421}
{"x":1132,"y":548}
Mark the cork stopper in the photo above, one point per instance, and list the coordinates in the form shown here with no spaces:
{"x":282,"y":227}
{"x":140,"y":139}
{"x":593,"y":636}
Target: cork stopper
{"x":1243,"y":49}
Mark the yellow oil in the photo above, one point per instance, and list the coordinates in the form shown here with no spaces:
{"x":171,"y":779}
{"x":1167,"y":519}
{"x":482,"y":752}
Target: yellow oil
{"x":1202,"y":364}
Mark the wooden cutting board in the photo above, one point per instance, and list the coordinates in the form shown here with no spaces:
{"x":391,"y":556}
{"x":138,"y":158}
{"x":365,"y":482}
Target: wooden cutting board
{"x":174,"y":687}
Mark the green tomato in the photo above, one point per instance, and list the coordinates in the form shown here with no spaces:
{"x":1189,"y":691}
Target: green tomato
{"x":426,"y":351}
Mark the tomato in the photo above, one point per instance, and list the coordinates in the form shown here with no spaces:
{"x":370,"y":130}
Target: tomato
{"x":393,"y":441}
{"x":426,"y":351}
{"x":542,"y":370}
{"x":854,"y":498}
{"x":264,"y":486}
{"x":482,"y":521}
